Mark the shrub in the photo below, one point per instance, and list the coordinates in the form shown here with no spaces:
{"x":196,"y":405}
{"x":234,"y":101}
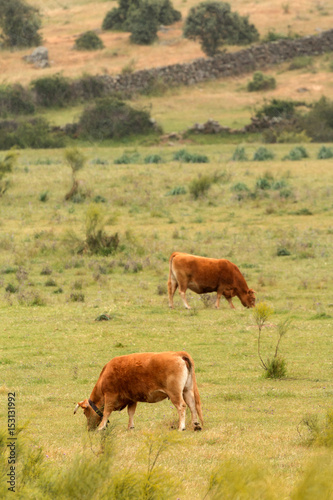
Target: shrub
{"x":143,"y":23}
{"x":276,"y":368}
{"x":114,"y":19}
{"x":199,"y":187}
{"x":15,"y":100}
{"x":261,"y":82}
{"x":153,"y":159}
{"x":263,"y":154}
{"x":297,"y":153}
{"x":325,"y":153}
{"x":110,"y":118}
{"x":214,"y":24}
{"x":301,"y":62}
{"x":52,"y":91}
{"x":6,"y":167}
{"x":278,"y":108}
{"x":320,"y":433}
{"x":75,"y":160}
{"x":127,"y":159}
{"x":318,"y":122}
{"x":88,"y":41}
{"x":239,"y":154}
{"x":186,"y":157}
{"x":97,"y":241}
{"x":241,"y":190}
{"x":176,"y":191}
{"x":19,"y":23}
{"x":33,"y":133}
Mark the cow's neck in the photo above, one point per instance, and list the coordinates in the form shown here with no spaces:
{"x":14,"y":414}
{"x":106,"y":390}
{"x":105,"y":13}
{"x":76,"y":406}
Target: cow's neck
{"x":97,"y":396}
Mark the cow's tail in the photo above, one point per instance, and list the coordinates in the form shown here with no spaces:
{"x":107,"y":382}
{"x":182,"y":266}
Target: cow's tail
{"x":190,"y":365}
{"x":170,"y":263}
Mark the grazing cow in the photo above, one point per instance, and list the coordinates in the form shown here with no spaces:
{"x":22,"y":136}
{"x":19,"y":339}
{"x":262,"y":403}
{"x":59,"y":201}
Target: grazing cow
{"x":144,"y":377}
{"x":202,"y":275}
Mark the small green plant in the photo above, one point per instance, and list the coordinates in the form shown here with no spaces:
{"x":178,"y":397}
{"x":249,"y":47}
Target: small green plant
{"x":127,"y":158}
{"x":261,"y":82}
{"x":200,"y":186}
{"x":6,"y":167}
{"x":239,"y":154}
{"x":296,"y":154}
{"x":325,"y":153}
{"x":75,"y":160}
{"x":263,"y":154}
{"x":276,"y":366}
{"x":155,"y":158}
{"x":97,"y":241}
{"x":176,"y":191}
{"x":241,"y":190}
{"x":301,"y":62}
{"x":186,"y":157}
{"x":88,"y":41}
{"x":282,"y":251}
{"x":320,"y":432}
{"x":44,"y":196}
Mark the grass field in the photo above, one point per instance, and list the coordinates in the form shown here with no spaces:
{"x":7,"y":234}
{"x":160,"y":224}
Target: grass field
{"x":52,"y":349}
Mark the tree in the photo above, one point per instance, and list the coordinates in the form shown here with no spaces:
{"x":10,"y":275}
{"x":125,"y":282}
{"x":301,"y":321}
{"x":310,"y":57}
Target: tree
{"x":214,"y":24}
{"x":19,"y":23}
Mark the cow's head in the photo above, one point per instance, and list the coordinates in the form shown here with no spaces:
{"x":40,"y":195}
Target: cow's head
{"x":93,"y":419}
{"x":250,"y":298}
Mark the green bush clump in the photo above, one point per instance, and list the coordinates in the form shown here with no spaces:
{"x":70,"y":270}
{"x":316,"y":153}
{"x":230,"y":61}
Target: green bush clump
{"x":301,"y":62}
{"x":176,"y":191}
{"x":241,"y":190}
{"x":239,"y":154}
{"x":88,"y":41}
{"x":325,"y":153}
{"x":143,"y":23}
{"x":111,"y":118}
{"x":200,"y":186}
{"x":33,"y":133}
{"x":15,"y":100}
{"x":261,"y":82}
{"x":52,"y":91}
{"x":155,"y":158}
{"x":263,"y":154}
{"x":278,"y":108}
{"x":273,"y":36}
{"x":213,"y":24}
{"x":127,"y":158}
{"x":186,"y":157}
{"x":297,"y":153}
{"x":318,"y":122}
{"x":19,"y":23}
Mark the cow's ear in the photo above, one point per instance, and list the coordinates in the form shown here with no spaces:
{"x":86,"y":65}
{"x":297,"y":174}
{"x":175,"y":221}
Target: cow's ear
{"x":84,"y":404}
{"x":251,"y":291}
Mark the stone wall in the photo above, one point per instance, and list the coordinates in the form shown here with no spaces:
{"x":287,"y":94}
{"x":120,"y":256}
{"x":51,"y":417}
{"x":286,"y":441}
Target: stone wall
{"x":228,"y":64}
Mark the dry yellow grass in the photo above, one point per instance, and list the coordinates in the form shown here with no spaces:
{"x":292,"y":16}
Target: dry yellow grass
{"x":63,"y":23}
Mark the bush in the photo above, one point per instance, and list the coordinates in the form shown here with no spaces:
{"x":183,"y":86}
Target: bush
{"x":110,"y":118}
{"x":186,"y":157}
{"x":318,"y":122}
{"x":325,"y":153}
{"x":143,"y":23}
{"x":297,"y":153}
{"x":278,"y":108}
{"x":276,"y":368}
{"x":114,"y":19}
{"x":199,"y":187}
{"x":263,"y":154}
{"x":261,"y":82}
{"x":52,"y":91}
{"x":301,"y":62}
{"x":214,"y":24}
{"x":15,"y":100}
{"x":88,"y":41}
{"x":127,"y":158}
{"x":19,"y":23}
{"x":34,"y":133}
{"x":153,"y":159}
{"x":239,"y":154}
{"x":241,"y":190}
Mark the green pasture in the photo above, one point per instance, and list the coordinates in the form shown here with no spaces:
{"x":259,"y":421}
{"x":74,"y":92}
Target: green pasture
{"x":53,"y":349}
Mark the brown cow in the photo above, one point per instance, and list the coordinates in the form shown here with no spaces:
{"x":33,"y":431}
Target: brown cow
{"x":144,"y":377}
{"x":203,"y":275}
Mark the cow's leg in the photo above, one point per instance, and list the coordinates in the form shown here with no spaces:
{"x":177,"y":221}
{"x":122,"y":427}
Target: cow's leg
{"x":218,"y":298}
{"x":180,"y":405}
{"x":172,"y":287}
{"x":190,"y":401}
{"x":131,"y":410}
{"x":108,"y":407}
{"x":230,"y":302}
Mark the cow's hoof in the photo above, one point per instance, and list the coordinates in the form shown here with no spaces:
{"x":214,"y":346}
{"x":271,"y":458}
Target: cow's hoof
{"x":130,"y":428}
{"x":197,"y":427}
